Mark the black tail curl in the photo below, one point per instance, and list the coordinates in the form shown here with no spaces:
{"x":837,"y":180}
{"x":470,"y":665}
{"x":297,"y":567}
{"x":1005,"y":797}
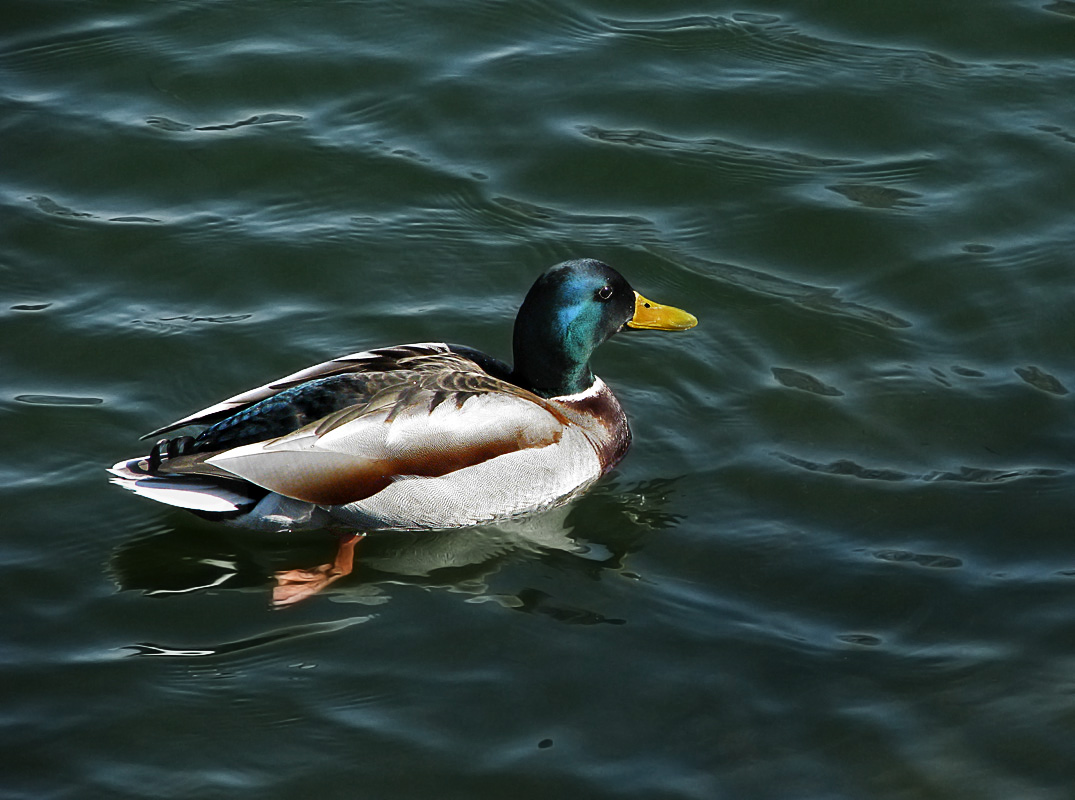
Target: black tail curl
{"x":168,"y":448}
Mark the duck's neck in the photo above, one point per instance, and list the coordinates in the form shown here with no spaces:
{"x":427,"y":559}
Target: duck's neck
{"x":550,"y":364}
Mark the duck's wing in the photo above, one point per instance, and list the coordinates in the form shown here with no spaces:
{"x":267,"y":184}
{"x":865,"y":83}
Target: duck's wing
{"x":382,"y":361}
{"x":440,"y":414}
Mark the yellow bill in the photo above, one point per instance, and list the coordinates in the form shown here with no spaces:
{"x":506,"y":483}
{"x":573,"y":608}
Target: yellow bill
{"x":652,"y":316}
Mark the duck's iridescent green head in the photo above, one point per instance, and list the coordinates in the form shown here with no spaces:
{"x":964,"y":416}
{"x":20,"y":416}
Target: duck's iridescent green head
{"x":568,"y":313}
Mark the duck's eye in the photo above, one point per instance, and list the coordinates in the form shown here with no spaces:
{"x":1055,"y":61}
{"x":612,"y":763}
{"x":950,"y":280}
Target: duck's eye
{"x":604,"y":293}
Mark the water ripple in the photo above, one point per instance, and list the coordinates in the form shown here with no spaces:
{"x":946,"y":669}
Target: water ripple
{"x":57,"y":400}
{"x":1063,"y":7}
{"x":868,"y":183}
{"x":749,"y":161}
{"x":47,"y":205}
{"x":166,"y":124}
{"x":815,"y":298}
{"x":849,"y":468}
{"x":766,"y":40}
{"x":794,"y":379}
{"x":874,"y":196}
{"x":918,"y":559}
{"x":1040,"y":379}
{"x":147,"y":649}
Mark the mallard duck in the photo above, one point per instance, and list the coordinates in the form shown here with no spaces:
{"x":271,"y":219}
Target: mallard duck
{"x":417,"y":436}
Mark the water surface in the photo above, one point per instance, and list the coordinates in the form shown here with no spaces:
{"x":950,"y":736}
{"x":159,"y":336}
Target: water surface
{"x":838,"y":562}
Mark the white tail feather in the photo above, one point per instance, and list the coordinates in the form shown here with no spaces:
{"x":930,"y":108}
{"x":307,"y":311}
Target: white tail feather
{"x":182,"y":492}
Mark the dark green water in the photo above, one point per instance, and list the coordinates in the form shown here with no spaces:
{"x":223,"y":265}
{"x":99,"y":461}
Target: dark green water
{"x":839,"y":561}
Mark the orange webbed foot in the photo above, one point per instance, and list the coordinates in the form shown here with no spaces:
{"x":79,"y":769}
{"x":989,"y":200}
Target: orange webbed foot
{"x":294,"y":585}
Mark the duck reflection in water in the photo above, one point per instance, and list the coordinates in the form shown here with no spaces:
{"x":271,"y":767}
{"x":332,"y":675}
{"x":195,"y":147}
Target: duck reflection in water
{"x":615,"y":521}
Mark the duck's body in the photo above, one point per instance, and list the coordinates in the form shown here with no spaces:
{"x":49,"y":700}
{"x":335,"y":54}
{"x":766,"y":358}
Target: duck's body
{"x":420,"y":436}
